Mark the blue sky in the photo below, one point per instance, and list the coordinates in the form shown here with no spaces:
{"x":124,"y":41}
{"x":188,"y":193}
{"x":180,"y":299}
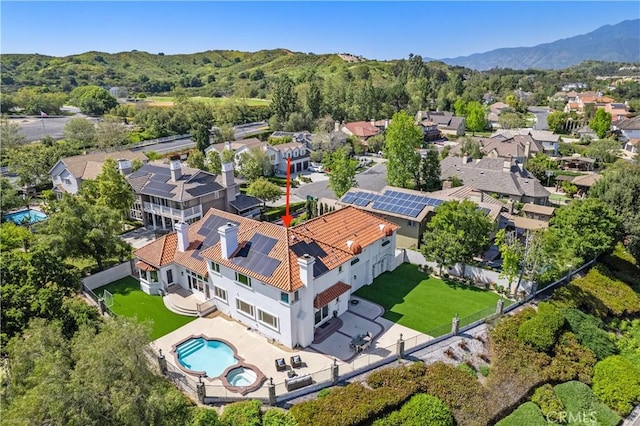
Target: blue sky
{"x":376,"y":30}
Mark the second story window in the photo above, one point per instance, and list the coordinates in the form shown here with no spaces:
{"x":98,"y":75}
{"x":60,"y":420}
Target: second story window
{"x":215,"y":267}
{"x":243,"y":279}
{"x":284,"y":297}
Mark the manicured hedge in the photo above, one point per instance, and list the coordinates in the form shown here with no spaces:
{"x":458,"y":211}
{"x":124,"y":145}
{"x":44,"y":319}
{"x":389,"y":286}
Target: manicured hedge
{"x":549,"y":403}
{"x":420,"y":410}
{"x":589,"y":332}
{"x":277,"y":417}
{"x":570,"y":361}
{"x":581,"y":406}
{"x":246,"y":413}
{"x":349,"y":405}
{"x":616,"y":382}
{"x":541,"y":331}
{"x":205,"y":417}
{"x":527,"y":414}
{"x":623,"y":266}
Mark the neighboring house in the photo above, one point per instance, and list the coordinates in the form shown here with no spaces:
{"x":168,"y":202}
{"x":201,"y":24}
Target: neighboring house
{"x":586,"y":132}
{"x":68,"y":173}
{"x":517,"y":147}
{"x":170,"y":193}
{"x":363,"y":130}
{"x":632,"y":146}
{"x":503,"y":177}
{"x":581,"y":100}
{"x":629,"y":128}
{"x":495,"y":109}
{"x":446,"y":122}
{"x":430,"y":131}
{"x":547,"y":139}
{"x":534,"y":211}
{"x":302,"y":137}
{"x":585,"y":182}
{"x":618,"y":111}
{"x":282,"y":282}
{"x":278,"y":154}
{"x":576,"y":163}
{"x":412,"y":210}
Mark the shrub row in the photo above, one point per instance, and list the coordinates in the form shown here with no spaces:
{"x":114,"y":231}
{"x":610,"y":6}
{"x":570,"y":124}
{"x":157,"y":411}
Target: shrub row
{"x":589,"y":332}
{"x":245,"y":413}
{"x":616,"y":382}
{"x":581,"y":406}
{"x":420,"y":410}
{"x":549,"y":403}
{"x":542,"y":330}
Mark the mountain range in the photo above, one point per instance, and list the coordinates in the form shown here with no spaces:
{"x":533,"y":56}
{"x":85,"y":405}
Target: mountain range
{"x":610,"y":43}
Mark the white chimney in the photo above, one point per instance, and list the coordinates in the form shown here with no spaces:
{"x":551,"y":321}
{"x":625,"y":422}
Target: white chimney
{"x":228,"y":239}
{"x":386,"y":123}
{"x":227,"y":145}
{"x":124,"y":166}
{"x":527,"y":150}
{"x":227,"y":175}
{"x":373,"y":122}
{"x":182,"y":230}
{"x":506,"y":166}
{"x":306,"y":269}
{"x":176,"y":169}
{"x":336,"y":126}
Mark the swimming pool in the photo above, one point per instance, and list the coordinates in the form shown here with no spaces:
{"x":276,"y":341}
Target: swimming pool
{"x":211,"y":356}
{"x":26,"y":216}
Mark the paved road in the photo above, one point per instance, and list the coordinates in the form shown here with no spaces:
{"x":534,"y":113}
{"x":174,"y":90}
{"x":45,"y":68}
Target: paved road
{"x":373,"y":179}
{"x":541,"y":114}
{"x":163,"y":148}
{"x":35,"y":128}
{"x":246,"y":130}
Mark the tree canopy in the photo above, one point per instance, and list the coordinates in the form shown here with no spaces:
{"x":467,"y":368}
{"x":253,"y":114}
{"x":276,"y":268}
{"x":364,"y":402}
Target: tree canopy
{"x":601,"y":122}
{"x":457,"y":232}
{"x":264,"y":190}
{"x":343,"y":172}
{"x":92,"y":100}
{"x":115,"y":192}
{"x":402,"y":140}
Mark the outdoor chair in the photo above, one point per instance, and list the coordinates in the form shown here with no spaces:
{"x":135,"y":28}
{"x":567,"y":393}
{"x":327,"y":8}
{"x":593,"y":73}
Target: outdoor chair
{"x":296,"y":361}
{"x":281,"y":365}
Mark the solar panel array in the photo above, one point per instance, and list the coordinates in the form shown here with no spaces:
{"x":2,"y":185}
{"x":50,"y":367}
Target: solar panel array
{"x":392,"y":201}
{"x":313,"y":249}
{"x":254,"y":255}
{"x":209,"y":229}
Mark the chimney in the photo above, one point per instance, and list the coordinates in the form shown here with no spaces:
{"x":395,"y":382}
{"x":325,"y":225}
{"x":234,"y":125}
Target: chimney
{"x":373,"y":121}
{"x":510,"y":207}
{"x":506,"y":166}
{"x":227,"y":175}
{"x":336,"y":127}
{"x":228,"y":239}
{"x":520,"y":166}
{"x":386,"y":123}
{"x":527,"y":150}
{"x":124,"y":166}
{"x":176,"y":169}
{"x":182,"y":230}
{"x":227,"y":145}
{"x":306,"y":269}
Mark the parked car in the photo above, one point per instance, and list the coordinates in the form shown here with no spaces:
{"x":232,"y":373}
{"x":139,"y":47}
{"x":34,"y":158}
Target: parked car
{"x":316,"y":168}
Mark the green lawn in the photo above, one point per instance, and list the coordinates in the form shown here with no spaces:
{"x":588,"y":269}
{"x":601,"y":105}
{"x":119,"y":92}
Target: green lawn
{"x":130,"y":301}
{"x":415,"y":300}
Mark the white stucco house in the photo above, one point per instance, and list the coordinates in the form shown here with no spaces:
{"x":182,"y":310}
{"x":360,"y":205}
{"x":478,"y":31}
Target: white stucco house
{"x":282,"y":282}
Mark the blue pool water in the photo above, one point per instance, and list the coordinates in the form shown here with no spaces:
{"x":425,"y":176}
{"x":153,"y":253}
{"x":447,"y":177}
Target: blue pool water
{"x":210,"y":356}
{"x":26,"y":216}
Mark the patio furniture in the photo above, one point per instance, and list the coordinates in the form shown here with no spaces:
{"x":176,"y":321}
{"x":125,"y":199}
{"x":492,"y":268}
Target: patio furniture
{"x":291,"y":373}
{"x":281,"y":365}
{"x":361,"y":342}
{"x":298,"y":382}
{"x":296,"y":361}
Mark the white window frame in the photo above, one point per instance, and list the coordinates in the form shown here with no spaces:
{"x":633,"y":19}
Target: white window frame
{"x":248,"y":284}
{"x":251,"y":315}
{"x":275,"y":327}
{"x":222,"y":291}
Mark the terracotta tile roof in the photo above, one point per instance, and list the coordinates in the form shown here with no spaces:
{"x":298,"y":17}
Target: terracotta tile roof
{"x":362,"y":129}
{"x":324,"y":237}
{"x":145,"y":266}
{"x":323,"y":298}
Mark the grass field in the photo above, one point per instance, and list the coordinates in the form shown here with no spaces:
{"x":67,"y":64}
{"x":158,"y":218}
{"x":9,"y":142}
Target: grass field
{"x":168,"y":100}
{"x":130,"y":301}
{"x":415,"y":300}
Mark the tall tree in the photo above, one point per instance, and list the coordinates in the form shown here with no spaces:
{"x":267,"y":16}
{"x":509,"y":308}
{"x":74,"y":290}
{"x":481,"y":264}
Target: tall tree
{"x":457,"y":232}
{"x":539,"y":165}
{"x":254,"y":164}
{"x":604,"y":150}
{"x":82,"y":229}
{"x":264,"y":190}
{"x":10,"y":135}
{"x":314,"y":100}
{"x":111,"y":134}
{"x":196,"y":160}
{"x":115,"y":191}
{"x":476,"y":119}
{"x":471,"y":147}
{"x":587,"y":227}
{"x":9,"y":198}
{"x":80,"y":131}
{"x":601,"y":122}
{"x":430,"y":171}
{"x":214,"y":162}
{"x":556,"y":121}
{"x":619,"y":189}
{"x":284,"y":99}
{"x":403,"y":138}
{"x":343,"y":172}
{"x":228,"y":156}
{"x":92,"y":100}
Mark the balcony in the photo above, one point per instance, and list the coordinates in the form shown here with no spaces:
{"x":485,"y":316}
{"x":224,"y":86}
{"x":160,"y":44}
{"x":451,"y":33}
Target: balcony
{"x":171,"y":212}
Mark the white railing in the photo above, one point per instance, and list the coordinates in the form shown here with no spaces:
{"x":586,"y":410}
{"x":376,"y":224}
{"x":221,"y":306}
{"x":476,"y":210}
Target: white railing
{"x":171,"y":212}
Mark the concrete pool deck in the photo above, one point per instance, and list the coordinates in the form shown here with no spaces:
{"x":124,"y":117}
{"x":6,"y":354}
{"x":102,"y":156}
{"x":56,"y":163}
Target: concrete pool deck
{"x":256,"y":350}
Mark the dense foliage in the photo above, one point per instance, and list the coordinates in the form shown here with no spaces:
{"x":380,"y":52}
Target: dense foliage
{"x":420,"y":410}
{"x":589,"y":331}
{"x":616,"y":382}
{"x":542,"y":330}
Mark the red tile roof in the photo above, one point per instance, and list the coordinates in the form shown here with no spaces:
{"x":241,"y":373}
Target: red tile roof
{"x":329,"y":232}
{"x":323,"y":298}
{"x":145,"y":266}
{"x":362,"y":129}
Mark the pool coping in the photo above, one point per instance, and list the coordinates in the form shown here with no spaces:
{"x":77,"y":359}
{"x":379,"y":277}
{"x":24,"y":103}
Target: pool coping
{"x":243,"y":390}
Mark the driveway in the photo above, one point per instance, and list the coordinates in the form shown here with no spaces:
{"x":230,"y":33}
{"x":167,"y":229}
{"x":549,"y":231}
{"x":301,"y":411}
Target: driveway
{"x":541,"y":114}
